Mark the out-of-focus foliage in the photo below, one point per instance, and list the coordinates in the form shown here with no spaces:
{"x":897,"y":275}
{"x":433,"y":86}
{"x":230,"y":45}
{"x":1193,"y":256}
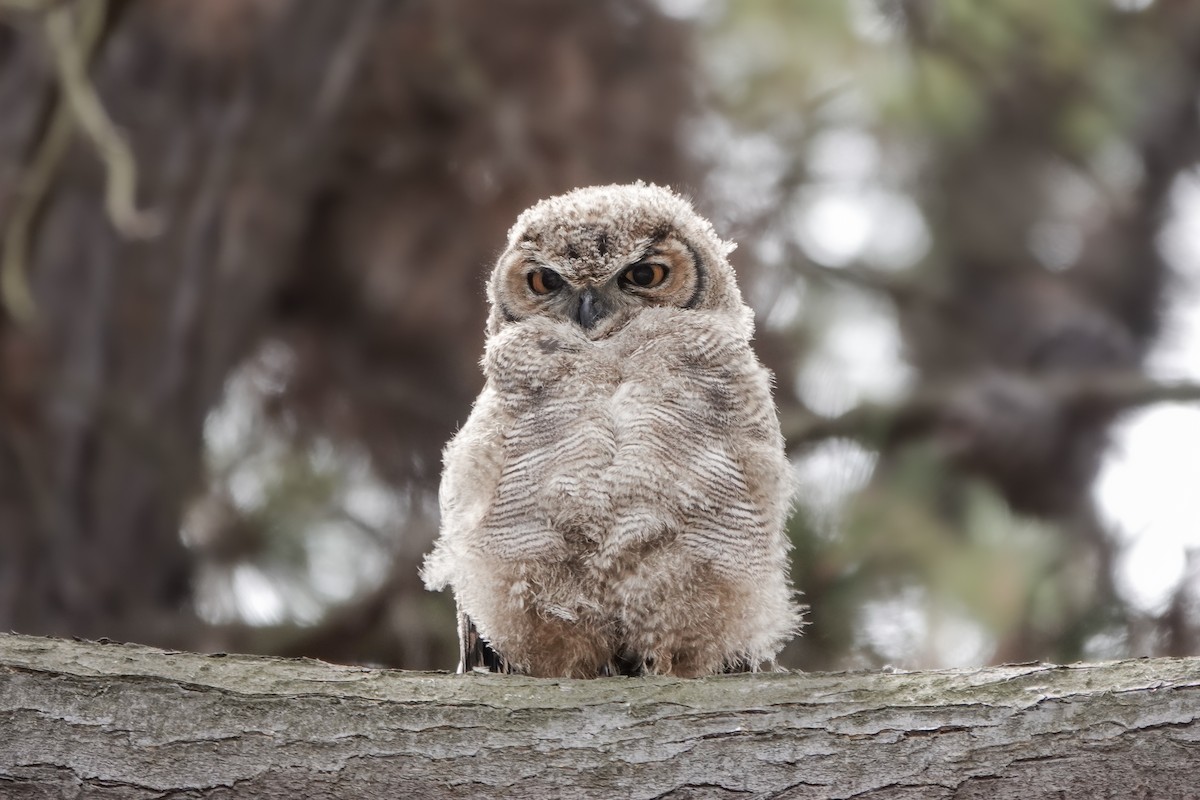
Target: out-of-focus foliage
{"x":993,"y":179}
{"x":950,"y":216}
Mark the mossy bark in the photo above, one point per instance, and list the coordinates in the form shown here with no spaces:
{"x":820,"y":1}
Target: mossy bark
{"x":83,"y":719}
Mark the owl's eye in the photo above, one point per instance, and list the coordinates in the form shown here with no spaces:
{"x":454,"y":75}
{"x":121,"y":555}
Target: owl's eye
{"x":645,"y":276}
{"x":545,"y":281}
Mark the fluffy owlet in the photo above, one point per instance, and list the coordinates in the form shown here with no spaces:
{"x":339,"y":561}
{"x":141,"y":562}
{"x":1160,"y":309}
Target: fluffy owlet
{"x":615,"y":503}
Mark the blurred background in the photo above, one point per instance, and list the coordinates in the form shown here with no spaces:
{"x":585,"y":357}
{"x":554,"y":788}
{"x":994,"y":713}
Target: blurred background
{"x":244,"y":246}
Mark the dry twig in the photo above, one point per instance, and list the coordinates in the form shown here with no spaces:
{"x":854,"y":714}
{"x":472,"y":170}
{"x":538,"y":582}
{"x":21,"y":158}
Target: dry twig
{"x":72,"y":31}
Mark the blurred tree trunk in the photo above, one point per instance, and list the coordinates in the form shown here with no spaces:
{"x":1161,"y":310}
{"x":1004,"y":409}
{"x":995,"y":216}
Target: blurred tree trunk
{"x":228,"y":108}
{"x":103,"y":720}
{"x":331,"y":177}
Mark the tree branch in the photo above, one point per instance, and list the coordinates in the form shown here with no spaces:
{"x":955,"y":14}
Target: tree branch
{"x":878,"y":424}
{"x":71,"y":43}
{"x":128,"y":721}
{"x":70,"y":62}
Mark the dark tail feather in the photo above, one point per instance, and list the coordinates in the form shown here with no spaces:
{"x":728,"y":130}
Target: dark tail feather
{"x":474,"y":651}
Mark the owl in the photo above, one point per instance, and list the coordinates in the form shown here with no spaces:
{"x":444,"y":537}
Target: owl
{"x":615,"y":502}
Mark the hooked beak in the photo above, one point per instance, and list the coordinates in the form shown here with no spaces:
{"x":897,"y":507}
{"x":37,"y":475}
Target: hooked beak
{"x":591,"y":309}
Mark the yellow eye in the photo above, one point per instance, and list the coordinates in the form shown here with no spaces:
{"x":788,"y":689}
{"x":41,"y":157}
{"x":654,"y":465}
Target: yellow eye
{"x":545,"y":281}
{"x":645,"y":276}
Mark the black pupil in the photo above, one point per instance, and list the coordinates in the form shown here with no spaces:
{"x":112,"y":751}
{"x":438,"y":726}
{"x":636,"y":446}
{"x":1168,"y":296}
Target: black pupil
{"x":551,"y":280}
{"x":642,"y":274}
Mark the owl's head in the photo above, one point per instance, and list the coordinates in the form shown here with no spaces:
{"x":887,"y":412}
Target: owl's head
{"x":596,"y":256}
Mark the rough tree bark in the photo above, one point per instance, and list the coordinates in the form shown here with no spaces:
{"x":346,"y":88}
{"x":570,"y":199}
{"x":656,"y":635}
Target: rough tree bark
{"x":122,"y":721}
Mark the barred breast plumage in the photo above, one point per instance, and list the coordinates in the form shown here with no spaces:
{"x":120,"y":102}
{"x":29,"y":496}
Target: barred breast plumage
{"x":616,"y":501}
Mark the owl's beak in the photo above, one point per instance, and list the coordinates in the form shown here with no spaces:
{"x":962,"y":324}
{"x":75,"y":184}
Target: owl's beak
{"x":591,"y":309}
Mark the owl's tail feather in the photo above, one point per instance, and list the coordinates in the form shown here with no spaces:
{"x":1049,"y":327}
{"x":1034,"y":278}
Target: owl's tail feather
{"x":474,"y":652}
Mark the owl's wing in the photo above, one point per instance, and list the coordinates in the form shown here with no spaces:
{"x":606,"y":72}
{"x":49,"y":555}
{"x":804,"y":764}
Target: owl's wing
{"x":474,"y":462}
